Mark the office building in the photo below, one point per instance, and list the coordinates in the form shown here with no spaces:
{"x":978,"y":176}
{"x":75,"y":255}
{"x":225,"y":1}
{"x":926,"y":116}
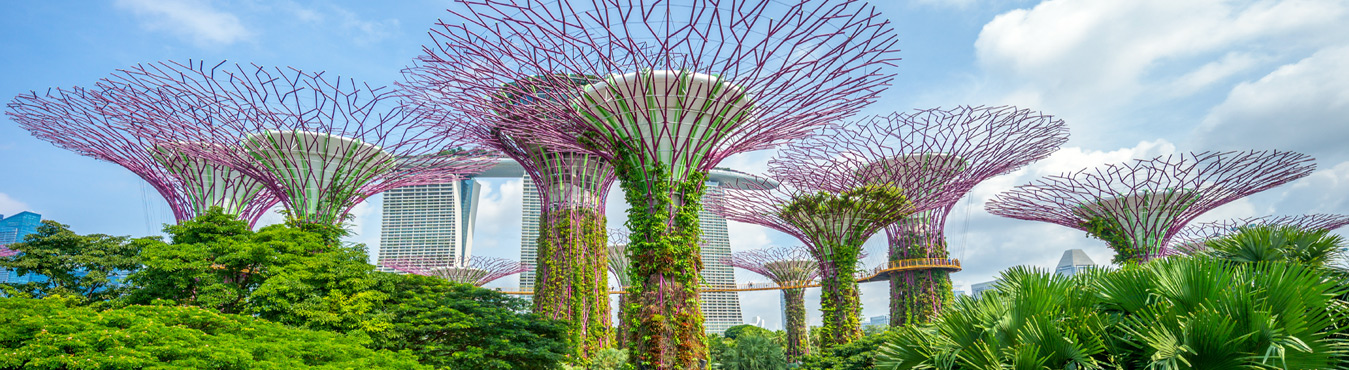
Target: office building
{"x":1073,"y":262}
{"x":978,"y":289}
{"x":429,"y":221}
{"x":882,"y":321}
{"x":12,"y":230}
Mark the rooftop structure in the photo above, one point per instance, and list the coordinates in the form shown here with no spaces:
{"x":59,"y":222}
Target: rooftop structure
{"x":1192,"y":238}
{"x":322,"y":143}
{"x":942,"y":154}
{"x":1137,"y":207}
{"x":680,"y":88}
{"x":113,"y":122}
{"x":477,"y":271}
{"x":791,"y":268}
{"x":1073,"y":262}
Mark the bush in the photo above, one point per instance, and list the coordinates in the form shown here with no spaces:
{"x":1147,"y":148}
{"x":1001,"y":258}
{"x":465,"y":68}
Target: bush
{"x":860,"y":354}
{"x":754,"y":351}
{"x":53,"y":334}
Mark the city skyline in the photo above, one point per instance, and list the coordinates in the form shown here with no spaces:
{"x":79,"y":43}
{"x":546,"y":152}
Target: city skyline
{"x":1194,"y":79}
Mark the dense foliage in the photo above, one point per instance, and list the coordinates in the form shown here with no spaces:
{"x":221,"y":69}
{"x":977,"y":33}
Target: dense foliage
{"x":85,"y":266}
{"x":1263,"y":243}
{"x":296,"y":279}
{"x":754,"y":351}
{"x":916,"y":296}
{"x":54,"y":334}
{"x":857,"y":355}
{"x":571,"y":281}
{"x":1173,"y":313}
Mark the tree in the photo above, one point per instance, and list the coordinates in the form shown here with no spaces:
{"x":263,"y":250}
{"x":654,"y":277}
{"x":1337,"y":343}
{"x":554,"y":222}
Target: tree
{"x":73,"y":264}
{"x":1261,"y":243}
{"x":754,"y":350}
{"x":859,"y":354}
{"x":734,"y":332}
{"x":459,"y":326}
{"x":54,"y":334}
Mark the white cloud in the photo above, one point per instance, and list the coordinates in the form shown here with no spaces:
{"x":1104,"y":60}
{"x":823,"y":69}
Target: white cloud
{"x":196,"y":20}
{"x":1303,"y":106}
{"x":365,"y":31}
{"x":10,"y":206}
{"x":1104,"y":65}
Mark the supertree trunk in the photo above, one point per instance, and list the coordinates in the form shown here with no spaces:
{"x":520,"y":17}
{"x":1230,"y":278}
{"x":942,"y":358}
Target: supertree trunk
{"x":917,"y":296}
{"x":840,"y":302}
{"x":621,"y":330}
{"x":663,"y":303}
{"x":798,"y":341}
{"x":572,"y":276}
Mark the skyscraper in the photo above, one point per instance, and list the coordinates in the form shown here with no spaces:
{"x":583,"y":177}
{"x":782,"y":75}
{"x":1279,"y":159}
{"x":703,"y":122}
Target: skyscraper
{"x":432,"y":221}
{"x":1073,"y":262}
{"x":12,"y":230}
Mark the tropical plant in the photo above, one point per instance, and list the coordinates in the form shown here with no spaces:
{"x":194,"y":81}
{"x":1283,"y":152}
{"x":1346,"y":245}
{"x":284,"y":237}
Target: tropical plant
{"x":54,"y":333}
{"x":1173,"y":313}
{"x":70,"y":264}
{"x":754,"y":351}
{"x":1261,"y":243}
{"x":859,"y":354}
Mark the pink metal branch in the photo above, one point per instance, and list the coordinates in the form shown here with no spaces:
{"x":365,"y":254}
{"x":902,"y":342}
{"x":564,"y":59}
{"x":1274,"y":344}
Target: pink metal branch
{"x":94,"y":123}
{"x":478,"y":271}
{"x":322,"y":143}
{"x":788,"y":266}
{"x":1151,"y":200}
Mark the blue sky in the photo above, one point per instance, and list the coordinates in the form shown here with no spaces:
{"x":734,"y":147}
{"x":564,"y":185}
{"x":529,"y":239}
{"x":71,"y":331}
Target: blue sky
{"x":1132,"y":78}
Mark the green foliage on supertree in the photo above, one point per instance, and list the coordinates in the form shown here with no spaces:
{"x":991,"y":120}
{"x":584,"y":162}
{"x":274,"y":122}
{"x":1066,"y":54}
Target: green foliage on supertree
{"x":838,"y":225}
{"x":754,"y":351}
{"x":1110,"y":231}
{"x":573,"y":264}
{"x":1172,"y":313}
{"x":75,"y":265}
{"x":662,"y":303}
{"x":459,"y":326}
{"x":55,"y":333}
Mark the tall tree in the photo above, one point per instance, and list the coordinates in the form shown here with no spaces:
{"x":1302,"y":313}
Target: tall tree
{"x":71,"y":264}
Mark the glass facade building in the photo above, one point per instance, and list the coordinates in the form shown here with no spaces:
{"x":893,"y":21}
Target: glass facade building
{"x":12,"y":230}
{"x":429,"y":221}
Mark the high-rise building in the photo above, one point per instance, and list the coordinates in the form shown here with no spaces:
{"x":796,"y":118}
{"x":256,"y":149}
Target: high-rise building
{"x":978,"y":289}
{"x":721,"y":310}
{"x":429,"y":221}
{"x":12,"y":230}
{"x":882,"y":321}
{"x":1073,"y":262}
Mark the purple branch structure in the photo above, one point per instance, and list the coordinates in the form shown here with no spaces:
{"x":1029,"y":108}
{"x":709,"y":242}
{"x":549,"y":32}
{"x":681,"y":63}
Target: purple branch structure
{"x":572,"y":186}
{"x":93,"y":122}
{"x":1138,"y":207}
{"x":677,"y":88}
{"x":792,"y":269}
{"x":477,"y":271}
{"x":1192,"y":238}
{"x":833,"y":201}
{"x":322,"y":143}
{"x":951,"y":151}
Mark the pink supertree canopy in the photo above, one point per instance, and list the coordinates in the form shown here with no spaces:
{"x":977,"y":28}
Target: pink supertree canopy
{"x":791,"y":268}
{"x":322,"y":143}
{"x":1191,"y":239}
{"x":477,"y":271}
{"x":1139,"y":206}
{"x":94,"y":123}
{"x":943,"y":154}
{"x":664,"y":90}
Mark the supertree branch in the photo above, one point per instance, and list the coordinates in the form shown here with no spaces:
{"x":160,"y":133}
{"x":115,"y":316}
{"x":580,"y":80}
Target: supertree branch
{"x":940,"y":154}
{"x":834,"y":226}
{"x":1138,"y":206}
{"x":679,"y":87}
{"x":572,"y":186}
{"x":477,"y":271}
{"x":1192,"y":238}
{"x":322,"y":143}
{"x":788,"y":267}
{"x":95,"y":123}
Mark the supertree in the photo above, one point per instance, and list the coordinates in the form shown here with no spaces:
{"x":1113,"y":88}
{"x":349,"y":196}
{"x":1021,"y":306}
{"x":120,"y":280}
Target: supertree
{"x":477,"y":271}
{"x":975,"y":143}
{"x":618,"y":266}
{"x":92,"y":122}
{"x":1137,"y":207}
{"x":1192,"y":238}
{"x":572,"y":186}
{"x":681,"y":87}
{"x":791,"y":268}
{"x":321,"y":143}
{"x":833,"y":204}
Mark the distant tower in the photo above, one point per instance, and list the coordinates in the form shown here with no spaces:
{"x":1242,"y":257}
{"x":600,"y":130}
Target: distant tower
{"x":431,"y":221}
{"x":1073,"y":262}
{"x":12,"y":230}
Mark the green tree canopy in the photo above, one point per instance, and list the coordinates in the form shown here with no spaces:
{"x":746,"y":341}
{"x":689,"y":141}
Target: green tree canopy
{"x":52,"y":334}
{"x":754,"y":350}
{"x":73,"y":264}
